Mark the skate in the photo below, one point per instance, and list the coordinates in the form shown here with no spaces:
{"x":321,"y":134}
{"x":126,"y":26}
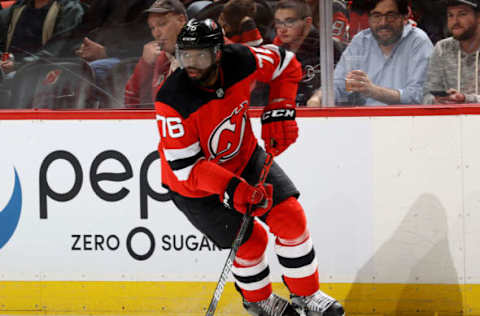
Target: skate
{"x":317,"y":304}
{"x":272,"y":306}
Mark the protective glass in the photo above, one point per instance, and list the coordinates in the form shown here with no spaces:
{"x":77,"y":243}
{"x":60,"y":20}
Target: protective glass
{"x":196,"y":58}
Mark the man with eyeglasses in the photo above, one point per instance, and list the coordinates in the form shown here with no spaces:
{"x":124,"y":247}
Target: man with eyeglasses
{"x":391,"y":60}
{"x":295,"y":32}
{"x":453,"y":74}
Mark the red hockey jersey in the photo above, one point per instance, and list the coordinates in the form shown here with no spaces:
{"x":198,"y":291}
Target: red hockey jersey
{"x":205,"y":134}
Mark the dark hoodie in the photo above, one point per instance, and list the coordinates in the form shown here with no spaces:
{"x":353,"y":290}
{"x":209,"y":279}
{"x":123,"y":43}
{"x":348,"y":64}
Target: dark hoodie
{"x":309,"y":56}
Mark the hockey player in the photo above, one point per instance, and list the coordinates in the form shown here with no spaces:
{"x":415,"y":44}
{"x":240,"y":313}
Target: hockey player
{"x":211,"y":162}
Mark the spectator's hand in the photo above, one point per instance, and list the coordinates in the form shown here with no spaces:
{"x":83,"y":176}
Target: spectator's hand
{"x":7,"y":66}
{"x":90,"y":50}
{"x":151,"y":51}
{"x":316,"y":99}
{"x":359,"y":82}
{"x":454,"y":97}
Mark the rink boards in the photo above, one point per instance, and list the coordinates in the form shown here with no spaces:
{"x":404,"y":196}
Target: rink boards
{"x":392,"y":203}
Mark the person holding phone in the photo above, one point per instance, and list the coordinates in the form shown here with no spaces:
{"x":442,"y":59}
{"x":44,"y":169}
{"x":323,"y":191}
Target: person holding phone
{"x":453,"y":72}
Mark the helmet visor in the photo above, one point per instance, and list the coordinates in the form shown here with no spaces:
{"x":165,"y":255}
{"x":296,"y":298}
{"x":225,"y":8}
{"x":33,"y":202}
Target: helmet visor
{"x":196,"y":58}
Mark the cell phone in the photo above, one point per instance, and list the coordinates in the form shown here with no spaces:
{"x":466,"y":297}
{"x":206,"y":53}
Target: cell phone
{"x":439,"y":93}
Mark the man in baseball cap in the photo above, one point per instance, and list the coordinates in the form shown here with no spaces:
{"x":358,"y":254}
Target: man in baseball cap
{"x":453,"y":68}
{"x":472,"y":3}
{"x":165,"y":6}
{"x":165,"y":20}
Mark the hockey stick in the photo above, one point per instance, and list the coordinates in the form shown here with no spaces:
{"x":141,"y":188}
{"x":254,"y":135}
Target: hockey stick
{"x":236,"y":243}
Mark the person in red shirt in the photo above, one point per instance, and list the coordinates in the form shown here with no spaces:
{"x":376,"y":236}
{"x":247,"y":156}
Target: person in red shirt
{"x":165,"y":19}
{"x":358,"y":17}
{"x":211,"y":162}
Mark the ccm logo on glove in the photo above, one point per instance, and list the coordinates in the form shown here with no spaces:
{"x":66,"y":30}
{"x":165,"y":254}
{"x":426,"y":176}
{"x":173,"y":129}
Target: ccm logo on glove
{"x":279,"y":128}
{"x":278,"y":115}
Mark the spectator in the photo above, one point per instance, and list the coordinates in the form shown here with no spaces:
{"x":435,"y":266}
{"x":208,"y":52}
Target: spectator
{"x":358,"y":15}
{"x":110,"y":31}
{"x":394,"y":59}
{"x":314,"y":6}
{"x":237,"y":20}
{"x":263,"y":18}
{"x":165,"y":19}
{"x":197,"y":8}
{"x":34,"y":28}
{"x":341,"y":21}
{"x":454,"y":64}
{"x":428,"y":16}
{"x":262,"y":15}
{"x":293,"y":24}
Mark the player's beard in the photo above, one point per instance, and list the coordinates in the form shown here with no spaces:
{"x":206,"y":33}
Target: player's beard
{"x":207,"y":76}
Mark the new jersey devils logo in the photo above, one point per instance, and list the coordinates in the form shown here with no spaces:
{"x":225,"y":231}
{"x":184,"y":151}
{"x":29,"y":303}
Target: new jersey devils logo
{"x":226,"y":139}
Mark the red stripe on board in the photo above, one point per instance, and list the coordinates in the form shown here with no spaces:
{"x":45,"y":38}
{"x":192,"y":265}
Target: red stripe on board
{"x":41,"y":114}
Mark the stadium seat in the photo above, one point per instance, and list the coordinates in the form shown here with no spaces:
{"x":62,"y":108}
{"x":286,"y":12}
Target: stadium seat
{"x":54,"y":84}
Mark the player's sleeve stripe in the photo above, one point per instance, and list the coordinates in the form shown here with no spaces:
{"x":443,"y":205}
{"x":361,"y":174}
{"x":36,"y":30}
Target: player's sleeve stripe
{"x":180,"y":164}
{"x":182,"y":160}
{"x":184,"y":173}
{"x":182,"y":153}
{"x":285,"y":59}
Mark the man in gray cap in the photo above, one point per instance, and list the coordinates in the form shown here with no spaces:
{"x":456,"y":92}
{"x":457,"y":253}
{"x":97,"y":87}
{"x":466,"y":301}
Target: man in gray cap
{"x":453,"y":73}
{"x":165,"y":20}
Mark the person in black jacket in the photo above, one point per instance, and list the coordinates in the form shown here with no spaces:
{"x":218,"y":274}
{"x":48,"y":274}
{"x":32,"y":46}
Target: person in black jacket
{"x":111,"y":30}
{"x":295,"y":32}
{"x":31,"y":29}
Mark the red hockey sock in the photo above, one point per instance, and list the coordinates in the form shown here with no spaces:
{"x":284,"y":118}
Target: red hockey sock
{"x":294,"y":247}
